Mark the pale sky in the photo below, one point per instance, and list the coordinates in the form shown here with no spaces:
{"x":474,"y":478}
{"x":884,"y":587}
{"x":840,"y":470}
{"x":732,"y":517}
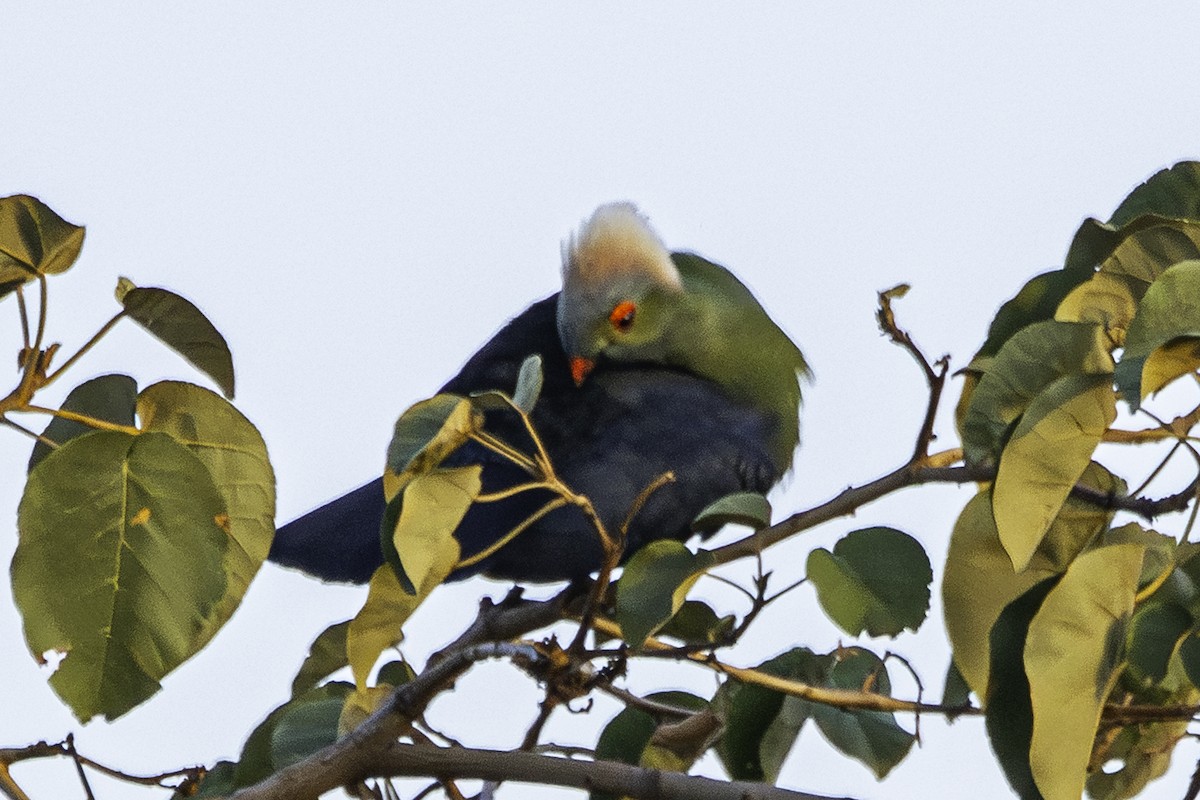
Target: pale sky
{"x":360,"y":193}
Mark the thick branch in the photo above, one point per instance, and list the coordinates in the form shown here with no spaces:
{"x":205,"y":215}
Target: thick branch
{"x":597,"y":776}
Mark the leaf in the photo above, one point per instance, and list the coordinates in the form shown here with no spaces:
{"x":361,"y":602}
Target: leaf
{"x":696,"y":623}
{"x":871,"y":737}
{"x":1036,"y":302}
{"x":119,"y":565}
{"x":978,"y":584}
{"x":109,"y":398}
{"x":626,"y":735}
{"x":529,"y":384}
{"x":1030,"y":361}
{"x":377,"y":626}
{"x":1046,"y":456}
{"x":425,"y":434}
{"x":235,"y":455}
{"x":360,"y":705}
{"x":654,"y":585}
{"x":875,"y":580}
{"x":1146,"y":253}
{"x":302,"y":731}
{"x":1072,"y":656}
{"x":1107,"y":300}
{"x":1155,"y":631}
{"x":1172,"y":192}
{"x":177,"y":323}
{"x":395,"y":673}
{"x":955,"y":691}
{"x":419,"y":525}
{"x":1169,"y":311}
{"x":34,"y":240}
{"x":218,"y":781}
{"x":741,"y":508}
{"x":326,"y":655}
{"x":1008,"y":712}
{"x":753,"y":746}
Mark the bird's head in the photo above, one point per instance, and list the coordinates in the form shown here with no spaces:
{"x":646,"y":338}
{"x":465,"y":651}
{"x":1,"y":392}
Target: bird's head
{"x":619,"y":287}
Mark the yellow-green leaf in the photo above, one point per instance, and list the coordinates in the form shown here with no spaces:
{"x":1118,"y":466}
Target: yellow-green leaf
{"x":1072,"y":655}
{"x":119,"y":565}
{"x":1105,"y":299}
{"x":742,"y":508}
{"x":376,"y":627}
{"x":978,"y":584}
{"x":234,"y":453}
{"x":422,"y":535}
{"x":1046,"y":456}
{"x":326,"y":655}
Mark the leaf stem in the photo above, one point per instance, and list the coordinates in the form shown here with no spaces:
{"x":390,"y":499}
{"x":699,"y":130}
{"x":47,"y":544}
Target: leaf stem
{"x":91,"y":422}
{"x":108,"y":326}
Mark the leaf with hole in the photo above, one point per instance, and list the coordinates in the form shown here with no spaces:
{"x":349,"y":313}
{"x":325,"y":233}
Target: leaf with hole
{"x":1072,"y":656}
{"x":119,"y":565}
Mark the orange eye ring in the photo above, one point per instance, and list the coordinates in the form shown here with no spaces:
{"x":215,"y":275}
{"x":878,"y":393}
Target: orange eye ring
{"x":623,"y":314}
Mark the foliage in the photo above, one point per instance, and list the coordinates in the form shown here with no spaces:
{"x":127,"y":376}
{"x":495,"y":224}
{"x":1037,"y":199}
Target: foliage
{"x":1075,"y":627}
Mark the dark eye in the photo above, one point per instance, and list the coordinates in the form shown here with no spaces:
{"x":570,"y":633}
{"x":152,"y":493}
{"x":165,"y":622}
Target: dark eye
{"x":623,"y":314}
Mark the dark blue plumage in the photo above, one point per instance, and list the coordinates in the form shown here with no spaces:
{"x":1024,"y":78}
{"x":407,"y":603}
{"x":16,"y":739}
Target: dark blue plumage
{"x":608,"y":438}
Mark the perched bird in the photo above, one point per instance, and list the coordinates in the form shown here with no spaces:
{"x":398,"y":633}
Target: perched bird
{"x":653,"y":361}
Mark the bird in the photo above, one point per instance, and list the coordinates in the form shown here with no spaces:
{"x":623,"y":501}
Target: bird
{"x":653,"y":361}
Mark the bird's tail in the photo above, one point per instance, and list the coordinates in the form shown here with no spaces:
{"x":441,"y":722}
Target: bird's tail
{"x":338,"y":541}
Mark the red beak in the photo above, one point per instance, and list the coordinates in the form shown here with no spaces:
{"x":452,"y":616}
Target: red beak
{"x":580,"y":368}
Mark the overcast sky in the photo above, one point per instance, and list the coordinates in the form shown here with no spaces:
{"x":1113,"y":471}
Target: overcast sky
{"x":358,"y":194}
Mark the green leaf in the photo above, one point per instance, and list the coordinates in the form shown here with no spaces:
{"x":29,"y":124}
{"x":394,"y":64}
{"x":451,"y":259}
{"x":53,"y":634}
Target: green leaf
{"x":326,"y":655}
{"x":654,"y":585}
{"x":1146,"y":753}
{"x":109,"y":398}
{"x":1173,"y":192}
{"x":529,"y":384}
{"x":1169,"y":311}
{"x":955,"y":691}
{"x":1030,"y":361}
{"x":626,"y":735}
{"x":1008,"y":711}
{"x":753,"y":747}
{"x":1046,"y":456}
{"x":871,"y":737}
{"x":425,"y":434}
{"x":119,"y":565}
{"x":235,"y":455}
{"x":1036,"y":302}
{"x":218,"y":781}
{"x":419,"y":525}
{"x":177,"y":323}
{"x":34,"y":240}
{"x":875,"y":580}
{"x":258,"y":758}
{"x":978,"y":584}
{"x":1072,"y":656}
{"x":741,"y":508}
{"x":395,"y":673}
{"x":1154,"y":632}
{"x":696,"y":623}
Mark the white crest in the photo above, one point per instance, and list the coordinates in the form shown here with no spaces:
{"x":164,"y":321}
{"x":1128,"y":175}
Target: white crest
{"x":617,"y":242}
